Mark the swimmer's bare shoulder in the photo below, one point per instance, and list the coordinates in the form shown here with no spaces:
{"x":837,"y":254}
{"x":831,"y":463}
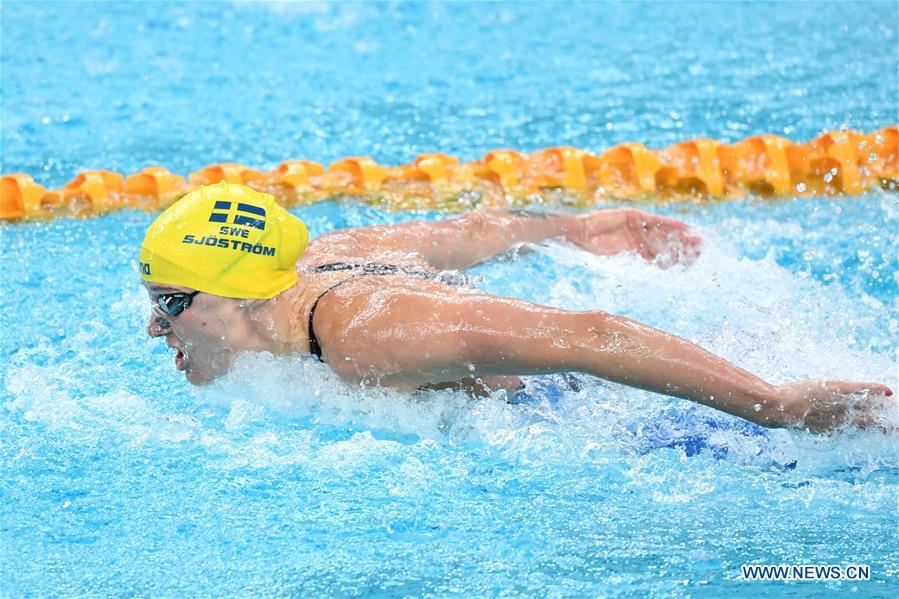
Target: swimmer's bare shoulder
{"x":409,"y":333}
{"x":398,"y":245}
{"x":361,"y":328}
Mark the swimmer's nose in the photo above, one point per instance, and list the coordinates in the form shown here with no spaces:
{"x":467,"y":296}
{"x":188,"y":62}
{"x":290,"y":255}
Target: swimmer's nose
{"x":158,"y":326}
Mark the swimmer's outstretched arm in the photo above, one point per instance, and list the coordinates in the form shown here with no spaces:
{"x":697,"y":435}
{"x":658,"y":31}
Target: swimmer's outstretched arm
{"x":433,"y":335}
{"x":482,"y":234}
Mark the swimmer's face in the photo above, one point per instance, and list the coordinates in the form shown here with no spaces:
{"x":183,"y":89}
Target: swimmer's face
{"x":206,"y":336}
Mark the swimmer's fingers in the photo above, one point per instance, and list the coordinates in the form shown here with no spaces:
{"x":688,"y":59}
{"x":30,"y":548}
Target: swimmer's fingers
{"x":823,"y":388}
{"x":828,"y":406}
{"x":656,"y":238}
{"x":670,"y":240}
{"x":850,"y":387}
{"x":688,"y":248}
{"x":875,"y":422}
{"x":678,"y":248}
{"x":868,"y":409}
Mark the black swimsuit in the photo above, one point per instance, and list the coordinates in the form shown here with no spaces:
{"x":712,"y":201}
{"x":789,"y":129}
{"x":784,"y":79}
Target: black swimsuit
{"x":376,"y":269}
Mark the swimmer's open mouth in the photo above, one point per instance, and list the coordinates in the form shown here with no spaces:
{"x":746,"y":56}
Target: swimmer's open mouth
{"x":180,"y":356}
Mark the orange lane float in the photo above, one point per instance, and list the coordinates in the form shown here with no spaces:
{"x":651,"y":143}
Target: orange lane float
{"x":20,"y":196}
{"x":91,"y":192}
{"x":354,"y":176}
{"x":882,"y":156}
{"x":837,"y":163}
{"x":154,"y":187}
{"x":556,"y":167}
{"x":691,"y":168}
{"x":758,"y":165}
{"x":292,"y":182}
{"x":627,"y":171}
{"x":431,"y":179}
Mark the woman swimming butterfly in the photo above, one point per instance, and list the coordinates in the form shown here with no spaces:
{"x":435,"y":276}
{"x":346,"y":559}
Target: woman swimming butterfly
{"x":229,"y":271}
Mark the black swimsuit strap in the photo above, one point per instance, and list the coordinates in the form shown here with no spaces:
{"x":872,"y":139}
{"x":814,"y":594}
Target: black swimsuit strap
{"x":314,"y":348}
{"x":368,"y":269}
{"x":375,"y":268}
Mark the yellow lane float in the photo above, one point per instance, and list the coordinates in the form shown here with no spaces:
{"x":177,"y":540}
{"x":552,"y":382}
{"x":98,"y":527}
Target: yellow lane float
{"x":837,"y":163}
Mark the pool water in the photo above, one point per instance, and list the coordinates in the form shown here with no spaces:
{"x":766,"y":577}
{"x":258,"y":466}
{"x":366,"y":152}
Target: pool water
{"x":119,"y":478}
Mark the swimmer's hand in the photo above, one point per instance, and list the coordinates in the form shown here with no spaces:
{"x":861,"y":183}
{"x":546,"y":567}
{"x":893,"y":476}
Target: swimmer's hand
{"x":656,"y":238}
{"x":827,"y":406}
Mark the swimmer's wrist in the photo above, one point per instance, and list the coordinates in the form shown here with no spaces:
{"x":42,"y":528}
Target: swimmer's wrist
{"x":571,"y":226}
{"x":766,"y":408}
{"x":553,"y":224}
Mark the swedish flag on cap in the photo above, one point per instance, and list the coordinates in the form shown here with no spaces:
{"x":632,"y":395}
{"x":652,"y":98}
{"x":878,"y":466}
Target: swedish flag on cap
{"x":225,"y":239}
{"x":243,"y":214}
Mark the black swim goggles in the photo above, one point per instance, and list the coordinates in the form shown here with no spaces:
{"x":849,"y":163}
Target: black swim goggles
{"x":173,"y":304}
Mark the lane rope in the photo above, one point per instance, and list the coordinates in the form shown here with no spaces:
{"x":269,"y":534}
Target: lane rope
{"x":837,"y":163}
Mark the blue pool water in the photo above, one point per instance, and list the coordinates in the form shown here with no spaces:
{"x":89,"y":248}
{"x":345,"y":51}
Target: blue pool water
{"x":119,"y":478}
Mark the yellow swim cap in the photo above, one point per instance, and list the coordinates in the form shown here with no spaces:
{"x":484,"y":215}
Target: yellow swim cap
{"x":225,"y":239}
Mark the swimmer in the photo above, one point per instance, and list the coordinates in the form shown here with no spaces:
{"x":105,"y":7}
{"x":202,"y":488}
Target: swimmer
{"x":228,"y":271}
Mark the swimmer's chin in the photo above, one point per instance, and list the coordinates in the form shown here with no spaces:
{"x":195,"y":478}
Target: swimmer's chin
{"x":208,"y":372}
{"x":200,"y":378}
